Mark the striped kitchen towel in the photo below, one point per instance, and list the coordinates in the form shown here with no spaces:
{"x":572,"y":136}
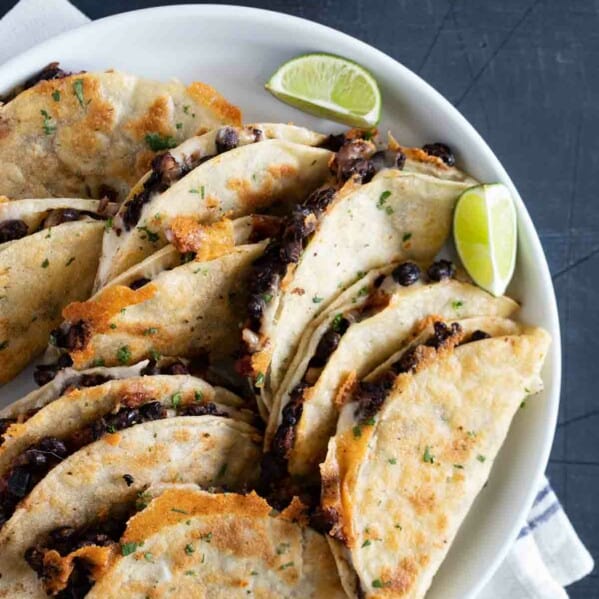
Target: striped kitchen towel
{"x":547,"y":555}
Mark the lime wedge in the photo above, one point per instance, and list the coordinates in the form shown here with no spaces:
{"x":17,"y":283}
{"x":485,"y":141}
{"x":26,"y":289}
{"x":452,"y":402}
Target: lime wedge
{"x":485,"y":234}
{"x":330,"y":87}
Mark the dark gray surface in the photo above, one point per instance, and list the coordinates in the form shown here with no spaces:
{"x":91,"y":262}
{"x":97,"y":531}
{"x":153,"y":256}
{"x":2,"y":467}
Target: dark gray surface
{"x":526,"y":74}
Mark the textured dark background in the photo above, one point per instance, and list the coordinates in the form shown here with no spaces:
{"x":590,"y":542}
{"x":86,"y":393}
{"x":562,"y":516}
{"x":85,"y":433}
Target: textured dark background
{"x":526,"y":74}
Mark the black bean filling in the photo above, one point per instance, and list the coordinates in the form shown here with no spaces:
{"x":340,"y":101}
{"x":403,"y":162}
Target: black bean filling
{"x":226,"y":139}
{"x":44,"y":373}
{"x":441,"y":151}
{"x":177,"y":367}
{"x":74,"y":338}
{"x":442,"y":269}
{"x":37,"y":460}
{"x":353,"y":160}
{"x":406,"y":274}
{"x":58,"y":216}
{"x":267,"y":269}
{"x":138,"y":283}
{"x":479,"y":335}
{"x":65,"y":540}
{"x":49,"y":72}
{"x":13,"y":229}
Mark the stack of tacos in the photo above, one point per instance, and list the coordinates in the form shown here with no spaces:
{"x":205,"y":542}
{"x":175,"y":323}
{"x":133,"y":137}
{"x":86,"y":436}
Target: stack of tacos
{"x":263,"y":375}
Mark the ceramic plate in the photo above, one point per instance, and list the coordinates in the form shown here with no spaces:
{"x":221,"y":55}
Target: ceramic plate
{"x":236,"y":49}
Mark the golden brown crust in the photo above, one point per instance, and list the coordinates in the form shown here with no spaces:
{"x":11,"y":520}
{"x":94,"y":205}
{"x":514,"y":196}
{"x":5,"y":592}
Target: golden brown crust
{"x":207,"y":241}
{"x":203,"y":93}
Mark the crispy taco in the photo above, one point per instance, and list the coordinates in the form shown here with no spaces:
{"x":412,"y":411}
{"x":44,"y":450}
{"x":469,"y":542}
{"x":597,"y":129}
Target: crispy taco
{"x":191,"y":543}
{"x":94,"y":487}
{"x":223,"y":173}
{"x":329,"y":242}
{"x":88,"y":135}
{"x":194,"y":309}
{"x":414,"y":446}
{"x":49,"y":252}
{"x":352,"y":339}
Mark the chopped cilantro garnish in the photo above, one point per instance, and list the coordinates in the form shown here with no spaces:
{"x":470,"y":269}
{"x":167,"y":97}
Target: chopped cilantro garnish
{"x":366,"y":543}
{"x":198,"y":395}
{"x":155,"y":354}
{"x":112,"y":325}
{"x":128,"y":548}
{"x":108,"y":223}
{"x":148,"y":556}
{"x":143,"y":498}
{"x":481,"y":458}
{"x":357,"y":431}
{"x":458,"y":466}
{"x":179,"y":511}
{"x":179,"y":125}
{"x":382,"y":199}
{"x":336,"y":324}
{"x":46,"y":263}
{"x":48,"y":126}
{"x":158,"y":142}
{"x":78,"y":91}
{"x":56,"y":95}
{"x":189,"y":549}
{"x":363,"y":291}
{"x":151,"y":235}
{"x":123,"y":355}
{"x":389,"y":210}
{"x":254,"y":573}
{"x":150,"y":331}
{"x":201,"y":190}
{"x":282,"y":548}
{"x":456,"y":304}
{"x":267,"y":297}
{"x":287,"y":565}
{"x":406,"y":237}
{"x":259,"y":380}
{"x":371,"y":421}
{"x":392,"y":461}
{"x":70,"y":261}
{"x":317,"y":299}
{"x":377,"y":583}
{"x":428,"y":457}
{"x":189,"y":573}
{"x":206,"y":537}
{"x":176,"y":400}
{"x":98,"y":362}
{"x":111,"y":429}
{"x":398,"y":526}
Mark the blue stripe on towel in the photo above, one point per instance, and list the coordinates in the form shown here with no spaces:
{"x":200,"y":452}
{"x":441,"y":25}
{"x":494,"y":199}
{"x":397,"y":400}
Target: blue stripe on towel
{"x":541,"y":495}
{"x":540,"y":519}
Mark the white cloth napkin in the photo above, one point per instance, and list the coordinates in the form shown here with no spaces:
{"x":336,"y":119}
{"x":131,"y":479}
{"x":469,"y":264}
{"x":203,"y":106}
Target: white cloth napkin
{"x":548,"y":555}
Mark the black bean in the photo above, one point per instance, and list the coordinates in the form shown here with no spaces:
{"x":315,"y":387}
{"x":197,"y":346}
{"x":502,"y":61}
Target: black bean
{"x":226,"y":139}
{"x":12,"y":229}
{"x":406,"y":274}
{"x":60,"y":215}
{"x":138,"y":283}
{"x":442,"y":269}
{"x":175,"y":368}
{"x":35,"y":558}
{"x":479,"y":335}
{"x":92,"y":380}
{"x":407,"y":363}
{"x":334,"y":142}
{"x":200,"y":409}
{"x":441,"y":151}
{"x":326,"y":346}
{"x":442,"y":333}
{"x":153,"y":410}
{"x":19,"y":480}
{"x":128,"y":479}
{"x":370,"y":397}
{"x":52,"y":445}
{"x":49,"y":72}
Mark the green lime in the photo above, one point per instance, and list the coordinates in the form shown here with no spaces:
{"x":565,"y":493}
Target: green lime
{"x":330,"y":87}
{"x":485,"y":234}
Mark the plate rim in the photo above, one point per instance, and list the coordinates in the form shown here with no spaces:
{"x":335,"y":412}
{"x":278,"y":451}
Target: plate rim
{"x":552,"y":379}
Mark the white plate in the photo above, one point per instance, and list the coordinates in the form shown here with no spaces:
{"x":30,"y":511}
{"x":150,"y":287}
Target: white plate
{"x":236,"y":50}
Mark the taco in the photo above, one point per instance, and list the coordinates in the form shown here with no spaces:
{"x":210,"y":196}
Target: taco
{"x":190,"y":543}
{"x":90,"y":135}
{"x":94,"y":487}
{"x":49,"y":252}
{"x":329,"y":242}
{"x":414,"y":446}
{"x":351,"y":340}
{"x":193,"y":309}
{"x":223,"y":173}
{"x":31,"y":446}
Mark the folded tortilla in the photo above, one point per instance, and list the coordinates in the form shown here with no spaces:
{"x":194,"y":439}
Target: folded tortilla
{"x":360,"y":336}
{"x":413,"y":450}
{"x":106,"y":478}
{"x":218,"y":545}
{"x":88,"y":135}
{"x":48,"y":258}
{"x":190,"y":310}
{"x":221,"y":173}
{"x":329,"y":243}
